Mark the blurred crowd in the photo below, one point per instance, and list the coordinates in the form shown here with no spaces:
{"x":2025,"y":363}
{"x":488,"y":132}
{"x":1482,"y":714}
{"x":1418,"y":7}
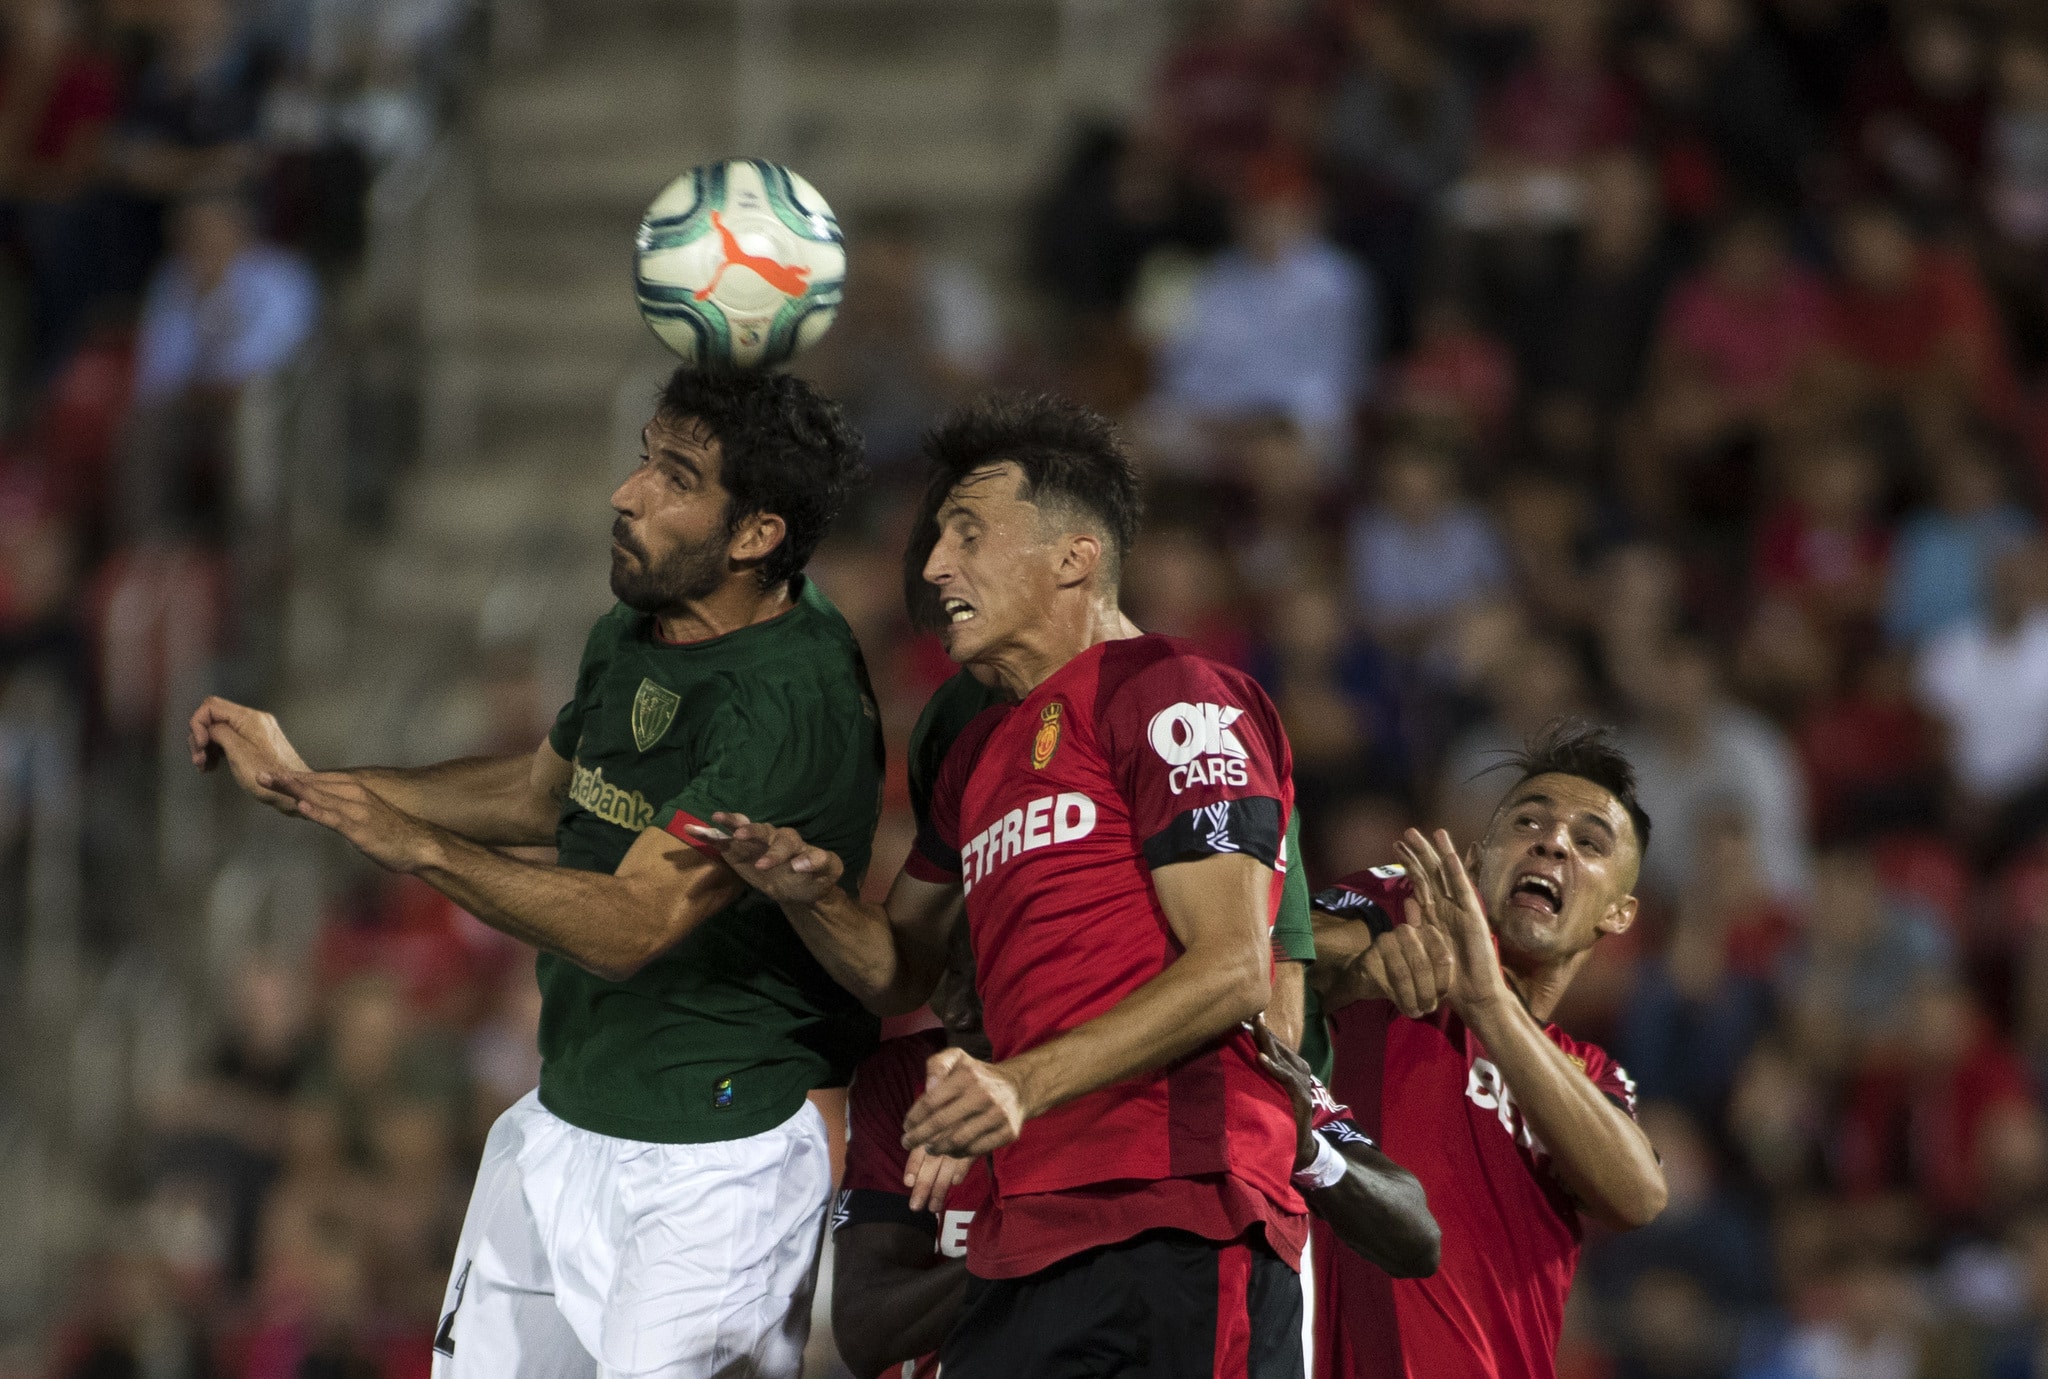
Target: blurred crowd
{"x":184,"y":196}
{"x":1676,"y":363}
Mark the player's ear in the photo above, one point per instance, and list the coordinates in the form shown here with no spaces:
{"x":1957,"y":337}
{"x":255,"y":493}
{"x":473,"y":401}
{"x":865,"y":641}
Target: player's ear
{"x":1080,"y":557}
{"x":1620,"y":915}
{"x":755,"y":537}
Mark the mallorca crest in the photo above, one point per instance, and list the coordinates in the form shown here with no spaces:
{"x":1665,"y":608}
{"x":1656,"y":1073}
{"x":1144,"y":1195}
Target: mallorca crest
{"x":1048,"y":739}
{"x":654,"y":708}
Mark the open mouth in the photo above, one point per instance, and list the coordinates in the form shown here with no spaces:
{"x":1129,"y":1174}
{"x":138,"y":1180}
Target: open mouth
{"x":957,"y":611}
{"x":1538,"y":893}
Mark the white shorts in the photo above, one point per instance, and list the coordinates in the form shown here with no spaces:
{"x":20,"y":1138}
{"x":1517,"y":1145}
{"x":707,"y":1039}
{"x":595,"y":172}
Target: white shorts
{"x":587,"y":1257}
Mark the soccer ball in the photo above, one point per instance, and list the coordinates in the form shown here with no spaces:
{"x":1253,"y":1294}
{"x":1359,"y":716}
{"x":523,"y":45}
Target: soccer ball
{"x":741,"y":263}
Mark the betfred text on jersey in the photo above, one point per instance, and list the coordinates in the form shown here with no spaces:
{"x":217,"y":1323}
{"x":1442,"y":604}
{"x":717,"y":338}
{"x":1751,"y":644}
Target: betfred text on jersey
{"x":1196,"y":741}
{"x":1062,"y":818}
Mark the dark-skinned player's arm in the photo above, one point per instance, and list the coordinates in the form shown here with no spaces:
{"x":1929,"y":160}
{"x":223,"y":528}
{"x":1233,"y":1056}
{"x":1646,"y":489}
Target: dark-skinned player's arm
{"x":507,"y":801}
{"x":1217,"y":908}
{"x":611,"y":926}
{"x":889,"y":956}
{"x":1596,"y":1148}
{"x":894,"y":1297}
{"x":1378,"y":1208}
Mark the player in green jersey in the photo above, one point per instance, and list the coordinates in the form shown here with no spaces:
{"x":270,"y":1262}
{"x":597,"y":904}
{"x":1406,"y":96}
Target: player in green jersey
{"x":655,"y":1208}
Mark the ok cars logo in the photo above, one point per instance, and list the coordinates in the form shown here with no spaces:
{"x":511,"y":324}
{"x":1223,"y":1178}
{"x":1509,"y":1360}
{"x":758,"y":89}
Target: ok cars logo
{"x":1197,"y":742}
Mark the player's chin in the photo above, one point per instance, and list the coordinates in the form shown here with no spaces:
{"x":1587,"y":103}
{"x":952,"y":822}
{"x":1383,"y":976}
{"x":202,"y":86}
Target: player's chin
{"x":1533,"y":933}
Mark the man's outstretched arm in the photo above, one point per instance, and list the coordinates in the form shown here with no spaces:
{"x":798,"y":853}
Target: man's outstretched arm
{"x":508,"y":801}
{"x":890,"y":956}
{"x":1217,"y":908}
{"x":611,"y":926}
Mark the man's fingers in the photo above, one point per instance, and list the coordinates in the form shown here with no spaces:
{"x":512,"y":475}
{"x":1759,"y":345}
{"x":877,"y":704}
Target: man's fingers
{"x":1384,"y":965}
{"x":1422,"y":947}
{"x":1443,"y":960}
{"x":1459,"y":881}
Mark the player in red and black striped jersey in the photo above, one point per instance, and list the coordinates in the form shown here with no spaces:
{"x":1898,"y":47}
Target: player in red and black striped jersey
{"x":1440,"y":1023}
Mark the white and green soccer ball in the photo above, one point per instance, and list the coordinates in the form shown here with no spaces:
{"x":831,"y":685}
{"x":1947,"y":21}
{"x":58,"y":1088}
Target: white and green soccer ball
{"x":739,"y":263}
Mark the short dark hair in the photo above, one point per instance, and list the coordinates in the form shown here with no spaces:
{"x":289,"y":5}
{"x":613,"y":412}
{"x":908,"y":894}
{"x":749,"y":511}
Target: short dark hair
{"x":784,"y":447}
{"x":1571,"y":747}
{"x":1072,"y":457}
{"x":921,"y":601}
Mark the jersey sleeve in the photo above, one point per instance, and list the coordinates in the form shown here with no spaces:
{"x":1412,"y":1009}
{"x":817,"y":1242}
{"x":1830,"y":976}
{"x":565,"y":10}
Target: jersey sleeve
{"x":884,"y":1089}
{"x":1373,"y":897}
{"x":1596,"y":1063}
{"x":773,"y":752}
{"x":1294,"y":933}
{"x":567,"y":732}
{"x":1200,"y":759}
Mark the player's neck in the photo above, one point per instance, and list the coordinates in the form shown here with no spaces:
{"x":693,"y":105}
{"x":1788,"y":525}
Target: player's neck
{"x":1036,"y":657}
{"x":1542,"y":987}
{"x":735,"y":604}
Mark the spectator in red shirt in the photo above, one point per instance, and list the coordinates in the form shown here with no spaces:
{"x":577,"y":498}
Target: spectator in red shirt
{"x":1237,"y":89}
{"x":1824,"y":547}
{"x":1926,"y":1114}
{"x":1749,"y":320}
{"x":1566,"y":103}
{"x":1915,"y":318}
{"x":57,"y":99}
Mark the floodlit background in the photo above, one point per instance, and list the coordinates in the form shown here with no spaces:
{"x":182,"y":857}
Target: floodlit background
{"x":1676,"y":362}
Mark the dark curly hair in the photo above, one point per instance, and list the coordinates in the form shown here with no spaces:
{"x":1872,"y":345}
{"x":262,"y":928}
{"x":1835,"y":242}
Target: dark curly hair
{"x":1074,"y":463}
{"x":785,"y":448}
{"x":1571,"y":747}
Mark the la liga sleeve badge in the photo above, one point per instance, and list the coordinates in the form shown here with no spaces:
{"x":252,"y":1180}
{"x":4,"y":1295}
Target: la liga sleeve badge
{"x":1047,"y":740}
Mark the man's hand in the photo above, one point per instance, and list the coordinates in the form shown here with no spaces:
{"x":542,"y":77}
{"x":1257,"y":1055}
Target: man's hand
{"x":1448,"y":903}
{"x":250,"y":741}
{"x":968,"y":1108}
{"x":931,"y":1176}
{"x":1291,"y":1071}
{"x":387,"y":836}
{"x":775,"y":861}
{"x":1412,"y":964}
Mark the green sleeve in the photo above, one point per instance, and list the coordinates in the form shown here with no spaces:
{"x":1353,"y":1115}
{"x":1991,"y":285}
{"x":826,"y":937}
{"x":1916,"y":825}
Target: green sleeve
{"x":568,"y":729}
{"x":1294,"y":935}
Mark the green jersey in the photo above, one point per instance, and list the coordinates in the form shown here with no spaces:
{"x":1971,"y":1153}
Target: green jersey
{"x":722,"y":1036}
{"x":954,"y":705}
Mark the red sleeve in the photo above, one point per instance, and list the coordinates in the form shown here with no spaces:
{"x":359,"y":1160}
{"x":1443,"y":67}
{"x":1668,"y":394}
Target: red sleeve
{"x":1609,"y":1076}
{"x":884,"y":1088}
{"x":935,"y":854}
{"x":1199,"y":757}
{"x":1373,"y":897}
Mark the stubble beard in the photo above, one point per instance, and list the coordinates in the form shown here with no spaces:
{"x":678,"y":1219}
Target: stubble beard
{"x":688,"y":574}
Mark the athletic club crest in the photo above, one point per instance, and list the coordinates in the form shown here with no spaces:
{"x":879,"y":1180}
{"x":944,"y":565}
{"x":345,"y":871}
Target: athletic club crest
{"x":654,"y":708}
{"x":1048,"y":739}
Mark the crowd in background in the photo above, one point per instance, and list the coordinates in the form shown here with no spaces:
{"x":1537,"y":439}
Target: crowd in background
{"x":1676,"y":363}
